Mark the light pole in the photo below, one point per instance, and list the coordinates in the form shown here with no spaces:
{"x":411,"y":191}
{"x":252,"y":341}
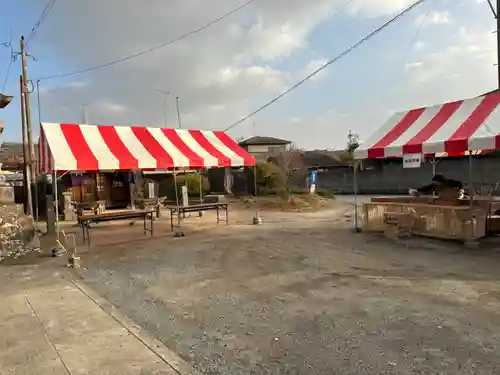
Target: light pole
{"x":165,"y":94}
{"x":178,"y":112}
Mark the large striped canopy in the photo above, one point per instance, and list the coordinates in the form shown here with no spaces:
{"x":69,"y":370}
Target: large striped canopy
{"x":452,"y":128}
{"x":78,"y":147}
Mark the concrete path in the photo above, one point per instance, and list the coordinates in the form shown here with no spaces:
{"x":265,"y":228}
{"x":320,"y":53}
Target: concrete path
{"x":62,"y":328}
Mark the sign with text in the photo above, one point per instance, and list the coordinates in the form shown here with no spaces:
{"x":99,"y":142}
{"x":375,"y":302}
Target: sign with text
{"x":412,"y":160}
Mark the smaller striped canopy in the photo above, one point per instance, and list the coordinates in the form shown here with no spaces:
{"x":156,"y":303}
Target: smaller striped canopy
{"x":452,"y":128}
{"x":80,"y":147}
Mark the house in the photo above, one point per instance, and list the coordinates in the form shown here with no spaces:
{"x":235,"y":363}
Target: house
{"x":262,"y":148}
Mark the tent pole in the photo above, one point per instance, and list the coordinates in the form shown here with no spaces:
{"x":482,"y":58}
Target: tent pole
{"x":471,"y":194}
{"x":178,"y":232}
{"x":56,"y":200}
{"x":355,"y":188}
{"x":256,"y":219}
{"x":201,"y":186}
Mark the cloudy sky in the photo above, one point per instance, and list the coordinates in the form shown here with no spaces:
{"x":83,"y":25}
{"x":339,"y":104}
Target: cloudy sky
{"x":441,"y":51}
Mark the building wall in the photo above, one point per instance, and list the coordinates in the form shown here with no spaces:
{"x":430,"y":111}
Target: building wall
{"x":394,"y":179}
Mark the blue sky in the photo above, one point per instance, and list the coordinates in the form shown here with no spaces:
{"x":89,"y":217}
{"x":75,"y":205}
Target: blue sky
{"x":452,"y":57}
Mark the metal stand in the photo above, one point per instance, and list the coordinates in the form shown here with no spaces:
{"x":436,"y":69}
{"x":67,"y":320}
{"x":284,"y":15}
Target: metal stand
{"x":471,"y":195}
{"x":56,"y":201}
{"x":178,"y":232}
{"x":357,"y":229}
{"x":256,"y":220}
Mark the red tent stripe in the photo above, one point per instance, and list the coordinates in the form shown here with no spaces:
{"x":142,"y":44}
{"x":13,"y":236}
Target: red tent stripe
{"x":195,"y":160}
{"x":415,"y":145}
{"x":125,"y":158}
{"x":377,"y":150}
{"x":223,"y":160}
{"x":459,"y":141}
{"x":163,"y":158}
{"x":85,"y":159}
{"x":234,"y":147}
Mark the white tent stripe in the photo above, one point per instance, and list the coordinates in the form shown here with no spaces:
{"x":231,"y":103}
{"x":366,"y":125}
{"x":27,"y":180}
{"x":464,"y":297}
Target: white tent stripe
{"x":212,"y":138}
{"x":209,"y":160}
{"x":106,"y":159}
{"x":396,"y":148}
{"x":63,"y":158}
{"x":484,"y":137}
{"x":362,"y":151}
{"x":179,"y":159}
{"x":144,"y":158}
{"x":435,"y":143}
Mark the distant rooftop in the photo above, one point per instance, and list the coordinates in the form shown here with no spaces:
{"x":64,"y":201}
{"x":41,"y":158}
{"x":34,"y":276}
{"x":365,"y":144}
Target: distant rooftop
{"x":256,"y":141}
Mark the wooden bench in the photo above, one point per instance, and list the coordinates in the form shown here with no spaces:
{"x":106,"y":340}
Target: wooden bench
{"x":182,"y":210}
{"x":87,"y":220}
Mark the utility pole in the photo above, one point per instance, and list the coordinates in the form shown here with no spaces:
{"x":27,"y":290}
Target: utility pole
{"x":27,"y":105}
{"x":28,"y":206}
{"x":178,"y":112}
{"x":498,"y":40}
{"x":84,"y":114}
{"x":165,"y":94}
{"x":497,"y":18}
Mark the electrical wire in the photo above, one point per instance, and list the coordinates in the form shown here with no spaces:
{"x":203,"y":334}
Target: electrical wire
{"x":419,"y":29}
{"x":9,"y":68}
{"x":327,"y":64}
{"x":144,"y":52}
{"x":335,"y":13}
{"x":45,"y":12}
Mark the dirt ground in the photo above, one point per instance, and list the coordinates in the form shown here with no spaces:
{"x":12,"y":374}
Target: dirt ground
{"x":303,"y":294}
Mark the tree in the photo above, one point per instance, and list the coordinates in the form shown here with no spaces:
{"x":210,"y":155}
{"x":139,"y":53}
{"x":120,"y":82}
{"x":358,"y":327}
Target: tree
{"x":352,"y":145}
{"x":289,"y":162}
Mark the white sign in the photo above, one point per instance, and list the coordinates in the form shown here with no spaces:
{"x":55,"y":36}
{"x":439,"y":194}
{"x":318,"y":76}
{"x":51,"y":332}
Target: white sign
{"x":412,"y":160}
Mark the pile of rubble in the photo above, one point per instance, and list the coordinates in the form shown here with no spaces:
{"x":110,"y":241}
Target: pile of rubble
{"x":17,"y":233}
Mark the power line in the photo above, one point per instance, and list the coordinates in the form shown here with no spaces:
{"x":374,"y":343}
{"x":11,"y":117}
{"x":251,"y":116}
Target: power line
{"x":335,"y":13}
{"x":327,"y":64}
{"x":419,"y":29}
{"x":138,"y":54}
{"x":45,"y":12}
{"x":9,"y":68}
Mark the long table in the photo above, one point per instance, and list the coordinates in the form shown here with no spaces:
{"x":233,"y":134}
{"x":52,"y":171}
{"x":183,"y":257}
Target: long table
{"x":182,"y":210}
{"x":86,"y":220}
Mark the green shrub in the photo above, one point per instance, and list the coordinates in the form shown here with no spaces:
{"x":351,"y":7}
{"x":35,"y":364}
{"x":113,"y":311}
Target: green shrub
{"x":192,"y":181}
{"x":269,"y":176}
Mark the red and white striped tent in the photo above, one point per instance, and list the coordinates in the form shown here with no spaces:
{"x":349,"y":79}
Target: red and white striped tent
{"x":452,"y":128}
{"x":78,"y":147}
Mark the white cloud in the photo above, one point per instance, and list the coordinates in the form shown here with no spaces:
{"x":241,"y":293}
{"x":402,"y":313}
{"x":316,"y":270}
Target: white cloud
{"x":434,"y":18}
{"x":224,"y":72}
{"x":312,"y":66}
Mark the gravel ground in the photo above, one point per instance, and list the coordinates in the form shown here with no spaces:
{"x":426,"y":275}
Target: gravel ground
{"x":302,"y":294}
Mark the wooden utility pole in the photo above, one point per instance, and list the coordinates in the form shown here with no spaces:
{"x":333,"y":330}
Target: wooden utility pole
{"x":498,"y":41}
{"x":28,"y":206}
{"x":27,"y":103}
